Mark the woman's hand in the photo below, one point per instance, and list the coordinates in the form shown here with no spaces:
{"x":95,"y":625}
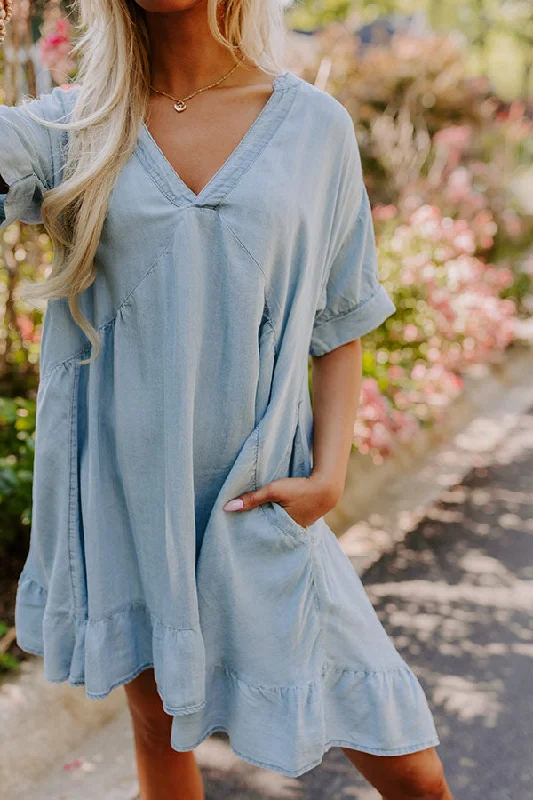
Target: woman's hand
{"x":304,"y":499}
{"x":336,"y":390}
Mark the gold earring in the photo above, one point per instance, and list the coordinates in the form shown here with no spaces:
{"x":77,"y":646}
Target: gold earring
{"x":6,"y":12}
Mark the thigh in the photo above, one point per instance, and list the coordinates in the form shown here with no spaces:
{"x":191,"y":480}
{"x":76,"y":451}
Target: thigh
{"x":417,"y":774}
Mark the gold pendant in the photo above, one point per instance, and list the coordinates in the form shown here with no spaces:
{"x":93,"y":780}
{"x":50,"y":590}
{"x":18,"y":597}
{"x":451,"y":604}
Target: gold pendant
{"x":180,"y":106}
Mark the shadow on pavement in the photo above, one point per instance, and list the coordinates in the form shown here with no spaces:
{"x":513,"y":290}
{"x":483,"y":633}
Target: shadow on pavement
{"x":456,"y":597}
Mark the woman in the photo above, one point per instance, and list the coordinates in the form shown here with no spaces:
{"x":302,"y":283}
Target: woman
{"x":211,"y":230}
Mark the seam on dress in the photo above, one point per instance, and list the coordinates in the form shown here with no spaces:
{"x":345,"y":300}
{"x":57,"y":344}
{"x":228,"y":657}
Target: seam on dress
{"x":330,"y":259}
{"x":258,"y":152}
{"x":158,"y":185}
{"x":121,"y":610}
{"x":330,"y":667}
{"x":263,"y":688}
{"x":256,"y":456}
{"x":314,"y":544}
{"x":301,"y":533}
{"x":261,"y":270}
{"x":18,"y":180}
{"x":52,"y":160}
{"x":280,"y":89}
{"x":72,"y":452}
{"x":242,"y":678}
{"x":350,"y":310}
{"x":238,"y":240}
{"x":300,"y":537}
{"x":87,"y":348}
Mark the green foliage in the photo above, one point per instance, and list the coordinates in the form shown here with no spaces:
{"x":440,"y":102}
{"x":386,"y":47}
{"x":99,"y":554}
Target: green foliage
{"x":7,"y":661}
{"x":310,"y":14}
{"x":25,"y":255}
{"x":17,"y":444}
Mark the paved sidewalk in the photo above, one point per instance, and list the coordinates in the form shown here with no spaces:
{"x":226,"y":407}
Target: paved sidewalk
{"x":456,"y":596}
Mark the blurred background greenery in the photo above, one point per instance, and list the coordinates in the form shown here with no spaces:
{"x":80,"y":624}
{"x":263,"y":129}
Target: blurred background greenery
{"x":441,"y":96}
{"x":498,"y":34}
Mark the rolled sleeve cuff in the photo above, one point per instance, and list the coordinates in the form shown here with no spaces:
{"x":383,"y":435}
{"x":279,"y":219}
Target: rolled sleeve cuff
{"x":22,"y":202}
{"x":25,"y":186}
{"x":352,"y":324}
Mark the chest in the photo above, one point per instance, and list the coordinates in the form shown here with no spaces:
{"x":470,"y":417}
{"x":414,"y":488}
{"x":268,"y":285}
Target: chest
{"x":198,"y":141}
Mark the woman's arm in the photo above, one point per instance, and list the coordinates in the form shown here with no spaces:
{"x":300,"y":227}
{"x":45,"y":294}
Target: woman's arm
{"x":30,"y":155}
{"x":336,"y":380}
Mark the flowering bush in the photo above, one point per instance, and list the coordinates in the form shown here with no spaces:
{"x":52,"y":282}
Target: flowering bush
{"x":450,"y":313}
{"x":469,"y":175}
{"x":399,"y":95}
{"x":439,"y":158}
{"x":449,"y":308}
{"x":427,"y":132}
{"x":380,"y":426}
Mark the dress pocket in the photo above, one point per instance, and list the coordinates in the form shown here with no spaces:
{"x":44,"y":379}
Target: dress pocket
{"x":294,"y":463}
{"x":281,"y":518}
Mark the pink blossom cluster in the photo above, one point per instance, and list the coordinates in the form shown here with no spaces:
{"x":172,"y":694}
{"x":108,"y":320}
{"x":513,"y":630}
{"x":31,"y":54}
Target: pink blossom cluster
{"x":449,"y":314}
{"x":388,"y":418}
{"x":380,"y":427}
{"x":426,"y":389}
{"x":30,"y":332}
{"x":457,"y":197}
{"x":470,"y":176}
{"x":55,"y":48}
{"x":459,"y":317}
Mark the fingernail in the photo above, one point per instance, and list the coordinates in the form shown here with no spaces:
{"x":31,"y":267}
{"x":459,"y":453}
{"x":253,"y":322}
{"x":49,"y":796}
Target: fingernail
{"x":234,"y":505}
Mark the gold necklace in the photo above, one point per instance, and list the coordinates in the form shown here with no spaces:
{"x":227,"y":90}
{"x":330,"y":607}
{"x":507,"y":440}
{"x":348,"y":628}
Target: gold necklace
{"x":180,"y":104}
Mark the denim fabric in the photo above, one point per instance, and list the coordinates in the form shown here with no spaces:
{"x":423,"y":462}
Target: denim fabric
{"x":208,"y":306}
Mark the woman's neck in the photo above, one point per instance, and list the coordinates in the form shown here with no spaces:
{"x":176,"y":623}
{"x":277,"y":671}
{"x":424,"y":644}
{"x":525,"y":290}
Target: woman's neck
{"x":184,"y":56}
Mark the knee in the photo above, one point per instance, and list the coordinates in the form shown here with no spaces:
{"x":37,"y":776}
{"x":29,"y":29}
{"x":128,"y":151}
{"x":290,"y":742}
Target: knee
{"x":425,"y":784}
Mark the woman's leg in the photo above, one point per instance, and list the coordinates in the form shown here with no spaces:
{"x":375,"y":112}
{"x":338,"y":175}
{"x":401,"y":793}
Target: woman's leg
{"x":417,"y":776}
{"x":164,"y":773}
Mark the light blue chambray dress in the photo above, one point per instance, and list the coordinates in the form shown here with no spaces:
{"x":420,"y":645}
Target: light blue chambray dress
{"x":208,"y":306}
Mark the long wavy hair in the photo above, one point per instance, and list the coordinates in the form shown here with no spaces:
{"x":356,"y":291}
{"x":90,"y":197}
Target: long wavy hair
{"x":113,"y":78}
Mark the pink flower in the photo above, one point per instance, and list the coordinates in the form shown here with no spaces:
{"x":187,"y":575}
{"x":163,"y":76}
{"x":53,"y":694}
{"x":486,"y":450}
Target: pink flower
{"x":370,"y":390}
{"x":55,"y":47}
{"x":384,"y":213}
{"x":410,"y":333}
{"x":395,"y":372}
{"x":456,"y":136}
{"x":380,"y":437}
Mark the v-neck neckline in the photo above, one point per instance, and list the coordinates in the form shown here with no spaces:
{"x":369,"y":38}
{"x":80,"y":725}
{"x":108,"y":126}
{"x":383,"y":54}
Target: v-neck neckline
{"x":227,"y":175}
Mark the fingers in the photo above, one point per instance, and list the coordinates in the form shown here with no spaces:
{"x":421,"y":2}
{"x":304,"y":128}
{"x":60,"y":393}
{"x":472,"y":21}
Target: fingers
{"x":250,"y":500}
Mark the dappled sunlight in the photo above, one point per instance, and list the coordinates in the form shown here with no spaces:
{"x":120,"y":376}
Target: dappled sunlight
{"x":469,"y":699}
{"x":477,"y":563}
{"x":519,"y":598}
{"x":515,"y":448}
{"x":456,"y":596}
{"x":219,"y":762}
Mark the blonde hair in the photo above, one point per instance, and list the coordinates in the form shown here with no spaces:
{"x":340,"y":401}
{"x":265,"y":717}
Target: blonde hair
{"x":112,"y":101}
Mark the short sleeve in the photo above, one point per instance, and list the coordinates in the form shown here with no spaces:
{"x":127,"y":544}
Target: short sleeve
{"x":353,"y":302}
{"x":29,"y":155}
